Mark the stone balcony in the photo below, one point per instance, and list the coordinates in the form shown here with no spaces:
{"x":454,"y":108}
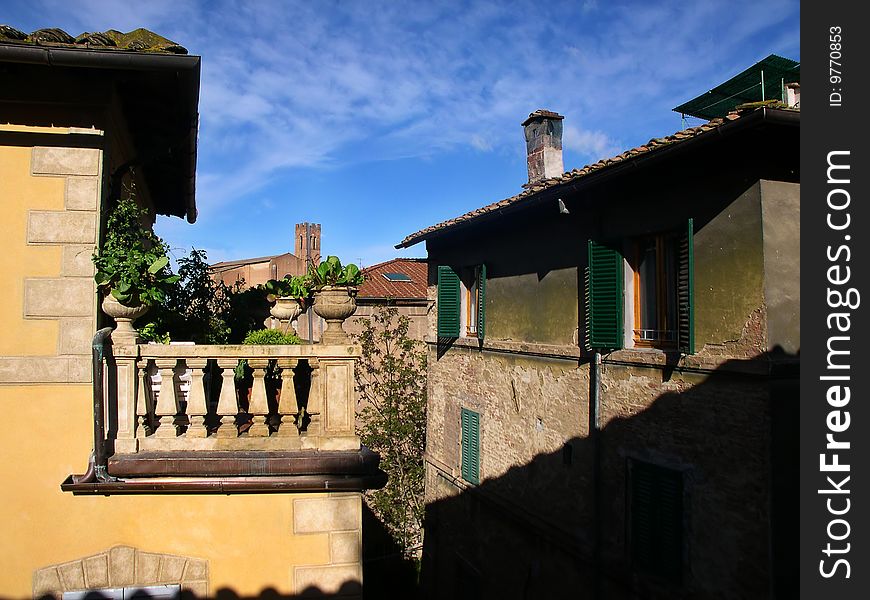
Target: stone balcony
{"x":233,"y":415}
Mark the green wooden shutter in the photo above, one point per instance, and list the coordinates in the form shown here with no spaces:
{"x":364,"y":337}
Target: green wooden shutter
{"x":657,"y":519}
{"x":448,"y":302}
{"x":604,"y":297}
{"x":686,"y":293}
{"x":470,"y":460}
{"x":481,"y":303}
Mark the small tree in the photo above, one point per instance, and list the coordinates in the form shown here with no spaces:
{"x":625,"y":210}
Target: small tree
{"x":392,"y":386}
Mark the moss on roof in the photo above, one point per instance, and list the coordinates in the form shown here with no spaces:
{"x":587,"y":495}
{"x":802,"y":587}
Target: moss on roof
{"x":138,"y":40}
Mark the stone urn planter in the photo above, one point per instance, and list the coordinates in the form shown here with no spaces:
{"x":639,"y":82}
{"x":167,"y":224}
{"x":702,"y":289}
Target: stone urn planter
{"x":286,"y":310}
{"x":334,"y":304}
{"x":124,"y":334}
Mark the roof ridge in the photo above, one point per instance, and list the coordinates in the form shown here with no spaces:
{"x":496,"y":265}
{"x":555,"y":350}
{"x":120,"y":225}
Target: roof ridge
{"x":574,"y":174}
{"x":392,"y":260}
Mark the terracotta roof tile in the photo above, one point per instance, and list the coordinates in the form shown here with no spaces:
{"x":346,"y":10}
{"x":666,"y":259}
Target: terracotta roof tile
{"x":531,"y":190}
{"x":138,"y":40}
{"x":378,"y":286}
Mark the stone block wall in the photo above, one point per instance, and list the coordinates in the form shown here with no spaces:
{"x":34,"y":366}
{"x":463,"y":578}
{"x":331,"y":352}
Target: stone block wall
{"x":68,"y":296}
{"x":122,"y":566}
{"x":339,"y":516}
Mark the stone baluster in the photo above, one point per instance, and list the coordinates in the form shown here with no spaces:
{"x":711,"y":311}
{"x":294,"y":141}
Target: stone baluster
{"x":196,"y":401}
{"x":125,"y":381}
{"x":316,"y":395}
{"x":287,"y":404}
{"x":258,"y":407}
{"x":228,"y":406}
{"x":144,"y":403}
{"x":167,"y":405}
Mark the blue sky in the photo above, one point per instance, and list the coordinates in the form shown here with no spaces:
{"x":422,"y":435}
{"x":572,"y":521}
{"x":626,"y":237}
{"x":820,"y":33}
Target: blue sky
{"x":377,"y":119}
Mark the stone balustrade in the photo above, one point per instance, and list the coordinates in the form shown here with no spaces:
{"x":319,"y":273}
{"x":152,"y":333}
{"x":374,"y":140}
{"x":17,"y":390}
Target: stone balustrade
{"x":222,"y":398}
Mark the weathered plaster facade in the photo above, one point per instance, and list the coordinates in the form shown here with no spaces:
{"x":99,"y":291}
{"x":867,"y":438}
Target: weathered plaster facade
{"x":551,"y":514}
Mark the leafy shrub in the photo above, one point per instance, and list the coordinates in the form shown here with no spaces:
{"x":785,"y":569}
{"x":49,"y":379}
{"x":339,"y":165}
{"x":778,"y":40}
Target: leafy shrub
{"x":266,"y":337}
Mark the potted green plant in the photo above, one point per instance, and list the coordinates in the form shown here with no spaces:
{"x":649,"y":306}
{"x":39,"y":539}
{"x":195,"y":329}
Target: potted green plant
{"x":290,"y":296}
{"x":132,"y":268}
{"x":335,"y":288}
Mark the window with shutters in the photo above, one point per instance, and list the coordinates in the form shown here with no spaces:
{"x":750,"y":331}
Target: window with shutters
{"x":655,"y":266}
{"x":655,"y":519}
{"x":461,"y":301}
{"x":658,"y":306}
{"x":470,"y":459}
{"x":474,"y":306}
{"x":663,"y":268}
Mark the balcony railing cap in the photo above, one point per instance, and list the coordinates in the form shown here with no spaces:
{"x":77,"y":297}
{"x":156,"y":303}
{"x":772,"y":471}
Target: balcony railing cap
{"x":323,"y":351}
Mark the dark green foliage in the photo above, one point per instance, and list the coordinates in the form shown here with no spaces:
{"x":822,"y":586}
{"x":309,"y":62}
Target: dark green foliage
{"x":149,"y":333}
{"x":133,"y":263}
{"x":201,"y":310}
{"x":392,"y":386}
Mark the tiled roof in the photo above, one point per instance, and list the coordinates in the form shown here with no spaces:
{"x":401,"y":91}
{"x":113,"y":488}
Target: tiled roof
{"x":571,"y":176}
{"x":138,"y":40}
{"x":378,"y":286}
{"x":231,"y":264}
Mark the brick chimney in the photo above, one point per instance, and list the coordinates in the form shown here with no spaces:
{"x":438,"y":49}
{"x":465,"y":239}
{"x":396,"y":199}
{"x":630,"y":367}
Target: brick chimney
{"x":543,"y":131}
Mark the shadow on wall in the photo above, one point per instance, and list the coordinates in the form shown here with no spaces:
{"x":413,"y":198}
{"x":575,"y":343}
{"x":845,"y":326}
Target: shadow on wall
{"x":692,"y":497}
{"x":348,"y":591}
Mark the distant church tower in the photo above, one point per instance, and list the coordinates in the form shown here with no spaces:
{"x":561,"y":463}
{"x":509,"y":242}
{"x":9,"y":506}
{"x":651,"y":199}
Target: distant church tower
{"x":312,"y":230}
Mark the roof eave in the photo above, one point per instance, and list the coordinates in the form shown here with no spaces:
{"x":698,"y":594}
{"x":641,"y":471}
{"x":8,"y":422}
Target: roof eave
{"x":125,"y":60}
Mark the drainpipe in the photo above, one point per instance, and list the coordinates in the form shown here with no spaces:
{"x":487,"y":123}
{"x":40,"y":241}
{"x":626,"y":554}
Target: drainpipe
{"x":309,"y":264}
{"x":98,"y":467}
{"x":594,"y":434}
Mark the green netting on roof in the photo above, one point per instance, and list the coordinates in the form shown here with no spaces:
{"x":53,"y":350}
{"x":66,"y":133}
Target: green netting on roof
{"x":745,"y":87}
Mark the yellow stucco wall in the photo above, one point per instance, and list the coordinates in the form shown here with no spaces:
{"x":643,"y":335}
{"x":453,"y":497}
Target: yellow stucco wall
{"x":248,"y":540}
{"x":21,"y":193}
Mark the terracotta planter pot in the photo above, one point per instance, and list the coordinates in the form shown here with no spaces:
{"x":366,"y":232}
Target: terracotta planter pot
{"x":124,"y":334}
{"x":335,"y":304}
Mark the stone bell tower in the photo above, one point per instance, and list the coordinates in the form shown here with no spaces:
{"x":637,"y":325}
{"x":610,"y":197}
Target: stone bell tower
{"x":308,"y":239}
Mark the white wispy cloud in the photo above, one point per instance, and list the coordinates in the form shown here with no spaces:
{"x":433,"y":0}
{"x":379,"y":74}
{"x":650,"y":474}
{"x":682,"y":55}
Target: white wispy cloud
{"x":323,"y":85}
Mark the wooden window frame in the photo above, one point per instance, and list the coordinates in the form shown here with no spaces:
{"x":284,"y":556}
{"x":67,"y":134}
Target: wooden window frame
{"x":664,"y":285}
{"x":472,"y":304}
